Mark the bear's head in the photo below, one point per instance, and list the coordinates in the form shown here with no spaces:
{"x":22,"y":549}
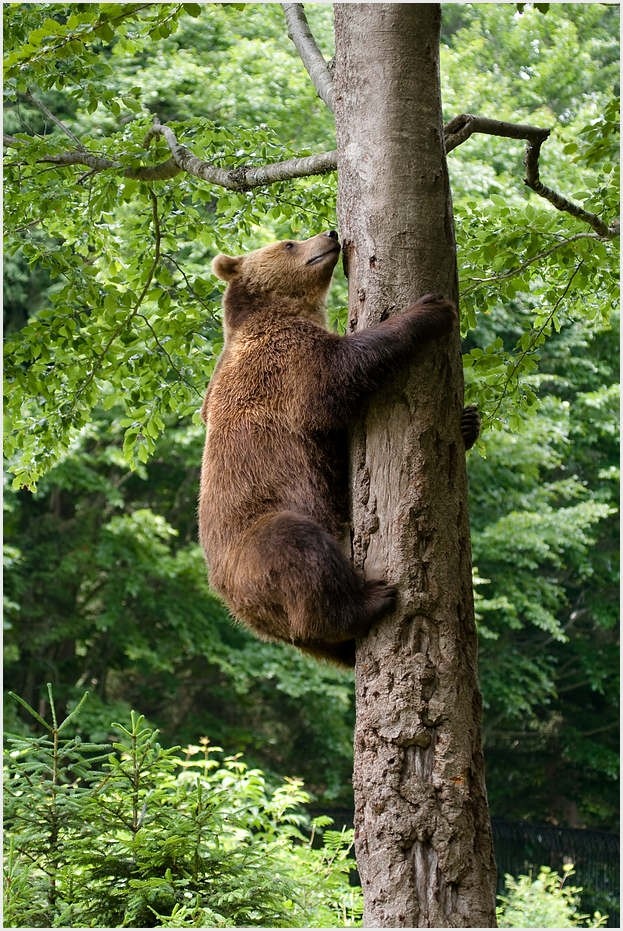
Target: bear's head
{"x":288,"y":279}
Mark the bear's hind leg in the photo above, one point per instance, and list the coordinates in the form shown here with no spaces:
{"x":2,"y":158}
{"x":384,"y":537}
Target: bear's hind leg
{"x":380,"y":598}
{"x":300,"y":577}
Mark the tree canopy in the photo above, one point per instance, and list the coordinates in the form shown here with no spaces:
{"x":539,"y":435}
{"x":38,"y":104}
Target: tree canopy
{"x":112,"y":325}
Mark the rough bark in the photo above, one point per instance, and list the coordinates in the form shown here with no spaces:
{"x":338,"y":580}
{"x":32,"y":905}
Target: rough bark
{"x":423,"y":837}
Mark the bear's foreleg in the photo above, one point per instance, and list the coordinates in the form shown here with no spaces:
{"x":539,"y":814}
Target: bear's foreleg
{"x":362,"y":360}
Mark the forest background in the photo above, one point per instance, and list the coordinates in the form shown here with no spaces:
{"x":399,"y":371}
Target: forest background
{"x":105,"y":586}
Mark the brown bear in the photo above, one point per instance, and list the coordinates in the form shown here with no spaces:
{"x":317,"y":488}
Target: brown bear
{"x":274,"y":483}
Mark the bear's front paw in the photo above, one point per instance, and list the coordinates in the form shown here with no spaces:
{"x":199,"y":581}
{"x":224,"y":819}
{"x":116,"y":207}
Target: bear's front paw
{"x":435,"y":303}
{"x":431,"y":299}
{"x":435,"y":312}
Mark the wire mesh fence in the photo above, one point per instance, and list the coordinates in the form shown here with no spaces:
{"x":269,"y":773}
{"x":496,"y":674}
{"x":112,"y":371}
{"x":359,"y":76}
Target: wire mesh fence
{"x":521,"y":848}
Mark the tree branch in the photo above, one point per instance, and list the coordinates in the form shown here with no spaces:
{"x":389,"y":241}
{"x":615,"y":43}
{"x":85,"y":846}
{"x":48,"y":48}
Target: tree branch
{"x":160,"y":172}
{"x":96,"y":163}
{"x":54,"y":119}
{"x":243,"y":179}
{"x":533,"y":181}
{"x":463,"y":126}
{"x":311,"y":56}
{"x":457,"y":131}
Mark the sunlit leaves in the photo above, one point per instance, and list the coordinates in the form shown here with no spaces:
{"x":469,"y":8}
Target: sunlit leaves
{"x":98,"y":339}
{"x":546,"y":275}
{"x":51,"y":45}
{"x":515,"y":250}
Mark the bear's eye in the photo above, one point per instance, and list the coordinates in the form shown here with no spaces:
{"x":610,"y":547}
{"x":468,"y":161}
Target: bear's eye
{"x":288,"y":245}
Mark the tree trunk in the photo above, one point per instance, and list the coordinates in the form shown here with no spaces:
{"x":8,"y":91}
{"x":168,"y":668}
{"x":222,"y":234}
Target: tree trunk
{"x":423,"y":836}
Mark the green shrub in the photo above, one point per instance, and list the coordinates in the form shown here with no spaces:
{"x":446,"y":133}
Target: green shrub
{"x":129,"y":834}
{"x":544,"y":902}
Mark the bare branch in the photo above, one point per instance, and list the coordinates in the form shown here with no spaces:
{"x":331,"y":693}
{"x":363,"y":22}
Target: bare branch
{"x":80,"y":157}
{"x":244,"y":179}
{"x":461,"y":128}
{"x":559,"y":202}
{"x":160,"y":172}
{"x":320,"y":164}
{"x":311,"y":56}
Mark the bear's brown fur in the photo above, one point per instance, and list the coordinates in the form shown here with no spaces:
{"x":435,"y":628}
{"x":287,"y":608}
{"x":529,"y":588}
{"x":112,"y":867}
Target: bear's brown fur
{"x":273,"y":502}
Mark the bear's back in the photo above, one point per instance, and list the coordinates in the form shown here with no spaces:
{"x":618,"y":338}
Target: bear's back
{"x":261,"y":453}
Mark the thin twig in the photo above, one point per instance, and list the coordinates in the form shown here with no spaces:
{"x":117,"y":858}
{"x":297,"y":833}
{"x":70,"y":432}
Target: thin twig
{"x":533,"y":343}
{"x":208,"y":307}
{"x":133,"y":313}
{"x":29,"y":96}
{"x":165,"y":352}
{"x":534,"y":258}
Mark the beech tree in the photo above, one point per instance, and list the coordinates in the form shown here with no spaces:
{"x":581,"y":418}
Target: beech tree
{"x":423,"y":837}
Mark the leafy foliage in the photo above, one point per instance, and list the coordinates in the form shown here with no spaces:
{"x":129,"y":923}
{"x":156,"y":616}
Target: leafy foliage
{"x":539,"y":298}
{"x":131,"y":318}
{"x":517,"y":255}
{"x":545,"y":545}
{"x":129,"y":834}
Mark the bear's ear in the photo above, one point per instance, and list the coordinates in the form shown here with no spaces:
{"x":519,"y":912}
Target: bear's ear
{"x":226,"y":266}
